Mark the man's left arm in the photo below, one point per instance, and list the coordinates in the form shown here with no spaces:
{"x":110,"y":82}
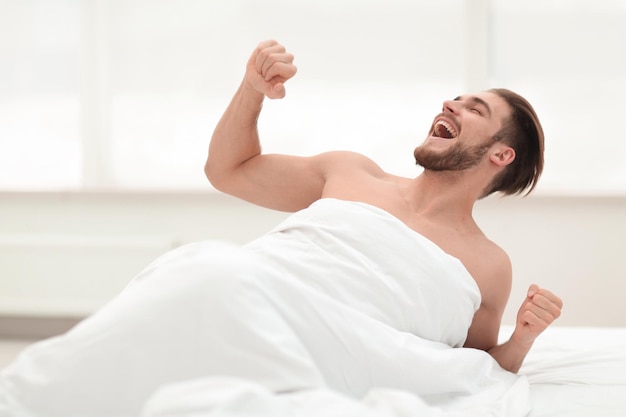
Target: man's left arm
{"x":538,"y":311}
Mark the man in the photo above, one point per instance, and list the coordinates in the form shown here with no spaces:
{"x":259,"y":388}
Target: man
{"x":479,"y":144}
{"x":374,"y":282}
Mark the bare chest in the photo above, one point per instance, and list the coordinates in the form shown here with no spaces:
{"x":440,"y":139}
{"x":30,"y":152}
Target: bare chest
{"x":467,"y":245}
{"x":463,"y":240}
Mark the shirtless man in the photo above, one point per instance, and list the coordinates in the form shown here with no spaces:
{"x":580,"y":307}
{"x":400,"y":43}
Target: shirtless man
{"x":475,"y":147}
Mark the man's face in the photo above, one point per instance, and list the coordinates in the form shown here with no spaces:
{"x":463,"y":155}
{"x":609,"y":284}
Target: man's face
{"x":462,"y":133}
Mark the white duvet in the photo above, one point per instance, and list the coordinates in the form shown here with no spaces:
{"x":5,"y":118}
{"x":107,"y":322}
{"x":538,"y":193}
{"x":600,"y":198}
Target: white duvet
{"x":342,"y":310}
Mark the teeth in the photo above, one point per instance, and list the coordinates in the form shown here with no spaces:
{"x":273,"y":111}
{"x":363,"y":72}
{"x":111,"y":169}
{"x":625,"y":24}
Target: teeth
{"x":452,"y":133}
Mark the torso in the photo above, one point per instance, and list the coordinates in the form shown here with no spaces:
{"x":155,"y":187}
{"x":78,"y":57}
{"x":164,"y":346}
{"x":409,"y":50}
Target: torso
{"x":463,"y":240}
{"x":465,"y":243}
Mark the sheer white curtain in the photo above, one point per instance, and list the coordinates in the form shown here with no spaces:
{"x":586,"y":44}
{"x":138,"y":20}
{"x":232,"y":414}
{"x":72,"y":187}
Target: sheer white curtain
{"x":125,"y":93}
{"x":39,"y":94}
{"x":569,"y":57}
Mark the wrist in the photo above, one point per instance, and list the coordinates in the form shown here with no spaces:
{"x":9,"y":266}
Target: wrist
{"x":522,"y":339}
{"x":249,"y":103}
{"x":248,"y":91}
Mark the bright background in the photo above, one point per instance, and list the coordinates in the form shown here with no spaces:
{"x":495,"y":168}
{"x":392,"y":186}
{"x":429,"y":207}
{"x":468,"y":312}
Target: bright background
{"x":125,"y":93}
{"x":107,"y":108}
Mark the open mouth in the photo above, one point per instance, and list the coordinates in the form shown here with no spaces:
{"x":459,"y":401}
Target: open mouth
{"x":443,"y":129}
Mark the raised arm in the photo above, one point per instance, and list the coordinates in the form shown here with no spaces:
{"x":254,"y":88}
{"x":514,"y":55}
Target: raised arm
{"x":235,"y":164}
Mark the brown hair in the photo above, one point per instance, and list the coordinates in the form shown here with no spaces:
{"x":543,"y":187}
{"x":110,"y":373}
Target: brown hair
{"x":522,"y":132}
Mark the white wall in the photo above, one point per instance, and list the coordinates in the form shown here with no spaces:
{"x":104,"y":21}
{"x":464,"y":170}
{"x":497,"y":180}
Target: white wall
{"x":573,"y":245}
{"x":67,"y":253}
{"x":116,"y":94}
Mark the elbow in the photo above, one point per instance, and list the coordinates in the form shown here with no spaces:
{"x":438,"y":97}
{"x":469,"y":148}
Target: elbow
{"x":208,"y":170}
{"x":212,"y":174}
{"x":219,"y":176}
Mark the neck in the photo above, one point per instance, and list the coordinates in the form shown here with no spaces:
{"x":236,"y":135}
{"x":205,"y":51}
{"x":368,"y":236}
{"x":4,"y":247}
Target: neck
{"x":445,"y":194}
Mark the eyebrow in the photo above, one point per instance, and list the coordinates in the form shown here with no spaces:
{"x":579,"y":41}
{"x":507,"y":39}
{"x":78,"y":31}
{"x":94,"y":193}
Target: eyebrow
{"x":476,"y":100}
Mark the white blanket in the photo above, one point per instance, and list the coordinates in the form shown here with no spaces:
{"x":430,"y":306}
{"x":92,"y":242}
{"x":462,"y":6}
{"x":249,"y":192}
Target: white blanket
{"x":341,"y":310}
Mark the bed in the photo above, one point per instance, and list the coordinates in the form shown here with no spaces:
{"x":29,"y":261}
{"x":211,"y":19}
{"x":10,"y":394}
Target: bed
{"x":215,"y":329}
{"x":576,"y":372}
{"x":572,"y":372}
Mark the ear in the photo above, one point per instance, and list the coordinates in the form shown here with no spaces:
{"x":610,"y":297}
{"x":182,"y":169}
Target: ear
{"x":502,"y":156}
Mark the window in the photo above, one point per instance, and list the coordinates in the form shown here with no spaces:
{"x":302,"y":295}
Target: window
{"x":568,"y":56}
{"x":39,"y":94}
{"x":126,"y":93}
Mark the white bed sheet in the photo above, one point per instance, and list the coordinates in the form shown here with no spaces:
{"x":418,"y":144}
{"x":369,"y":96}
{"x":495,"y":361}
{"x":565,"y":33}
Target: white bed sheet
{"x":576,"y":372}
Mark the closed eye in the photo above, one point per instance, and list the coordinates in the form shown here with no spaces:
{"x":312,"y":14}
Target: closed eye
{"x":476,"y":105}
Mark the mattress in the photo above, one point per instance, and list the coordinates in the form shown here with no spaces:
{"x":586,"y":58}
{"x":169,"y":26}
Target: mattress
{"x":577,"y":371}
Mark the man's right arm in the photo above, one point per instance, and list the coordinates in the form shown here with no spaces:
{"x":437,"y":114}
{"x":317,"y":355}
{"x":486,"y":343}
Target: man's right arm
{"x":235,"y":164}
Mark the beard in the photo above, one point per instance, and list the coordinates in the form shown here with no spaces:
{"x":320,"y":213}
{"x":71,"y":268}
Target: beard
{"x":456,"y":158}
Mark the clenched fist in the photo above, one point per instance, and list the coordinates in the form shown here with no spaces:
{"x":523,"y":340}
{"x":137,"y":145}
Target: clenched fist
{"x":538,"y":311}
{"x":269,"y":67}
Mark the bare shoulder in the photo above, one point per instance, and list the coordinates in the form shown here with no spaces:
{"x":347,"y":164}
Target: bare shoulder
{"x":497,"y":255}
{"x":494,"y":273}
{"x":342,"y":161}
{"x":353,"y":176}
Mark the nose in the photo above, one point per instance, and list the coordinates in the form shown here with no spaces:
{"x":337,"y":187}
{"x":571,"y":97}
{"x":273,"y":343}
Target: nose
{"x":450,"y":106}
